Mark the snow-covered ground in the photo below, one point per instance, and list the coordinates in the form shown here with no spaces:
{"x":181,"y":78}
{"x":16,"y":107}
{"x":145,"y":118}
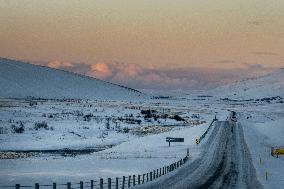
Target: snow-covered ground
{"x":264,"y":128}
{"x":140,"y":150}
{"x":136,"y":156}
{"x":85,"y":123}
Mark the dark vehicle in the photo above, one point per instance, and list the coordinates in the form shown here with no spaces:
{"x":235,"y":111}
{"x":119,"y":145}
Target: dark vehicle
{"x":233,"y":117}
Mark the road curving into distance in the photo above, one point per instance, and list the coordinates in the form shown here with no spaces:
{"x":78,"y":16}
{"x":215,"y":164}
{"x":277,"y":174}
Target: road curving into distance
{"x":225,"y":163}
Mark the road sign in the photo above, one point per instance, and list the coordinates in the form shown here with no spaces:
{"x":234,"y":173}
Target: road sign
{"x":276,"y":151}
{"x":172,"y":139}
{"x":197,"y":141}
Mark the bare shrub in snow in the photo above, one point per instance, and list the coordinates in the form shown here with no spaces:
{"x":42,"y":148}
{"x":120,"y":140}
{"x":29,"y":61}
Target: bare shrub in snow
{"x":18,"y":128}
{"x":88,"y":117}
{"x":178,"y":118}
{"x":3,"y":130}
{"x":78,"y":113}
{"x":41,"y":125}
{"x":125,"y":130}
{"x":108,"y":123}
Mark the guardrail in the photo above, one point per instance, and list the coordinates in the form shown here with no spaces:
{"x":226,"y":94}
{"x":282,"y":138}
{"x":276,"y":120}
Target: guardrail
{"x":111,"y":183}
{"x":198,"y":140}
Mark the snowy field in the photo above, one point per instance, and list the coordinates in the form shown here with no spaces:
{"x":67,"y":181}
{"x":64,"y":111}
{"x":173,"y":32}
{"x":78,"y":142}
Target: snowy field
{"x":133,"y":137}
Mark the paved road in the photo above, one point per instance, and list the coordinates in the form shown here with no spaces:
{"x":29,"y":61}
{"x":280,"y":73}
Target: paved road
{"x":225,"y":163}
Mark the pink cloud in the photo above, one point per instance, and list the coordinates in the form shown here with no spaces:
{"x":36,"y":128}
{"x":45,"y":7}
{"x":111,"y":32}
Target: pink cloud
{"x":144,"y":77}
{"x":59,"y":64}
{"x":100,"y":70}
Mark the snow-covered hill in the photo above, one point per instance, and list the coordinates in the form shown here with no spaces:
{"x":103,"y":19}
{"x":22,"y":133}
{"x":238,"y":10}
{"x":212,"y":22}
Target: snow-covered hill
{"x":270,"y":85}
{"x":20,"y":80}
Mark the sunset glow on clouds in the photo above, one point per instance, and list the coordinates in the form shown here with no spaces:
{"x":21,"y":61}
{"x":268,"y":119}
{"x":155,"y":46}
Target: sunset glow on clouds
{"x":58,"y":64}
{"x":145,"y":77}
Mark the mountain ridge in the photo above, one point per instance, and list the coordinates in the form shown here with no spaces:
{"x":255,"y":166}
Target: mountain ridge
{"x":269,"y":85}
{"x":20,"y":79}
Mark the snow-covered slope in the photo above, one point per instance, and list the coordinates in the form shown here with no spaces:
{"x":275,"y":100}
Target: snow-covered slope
{"x":19,"y":80}
{"x":270,"y":85}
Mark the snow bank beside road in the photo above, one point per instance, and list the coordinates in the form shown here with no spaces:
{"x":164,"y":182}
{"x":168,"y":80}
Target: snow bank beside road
{"x":273,"y":132}
{"x":260,"y":138}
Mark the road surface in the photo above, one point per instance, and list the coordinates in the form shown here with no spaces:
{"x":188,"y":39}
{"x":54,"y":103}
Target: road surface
{"x":224,"y":163}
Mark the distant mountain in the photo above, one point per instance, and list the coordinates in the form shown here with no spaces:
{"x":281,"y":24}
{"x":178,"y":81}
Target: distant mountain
{"x":20,"y":80}
{"x":270,"y":85}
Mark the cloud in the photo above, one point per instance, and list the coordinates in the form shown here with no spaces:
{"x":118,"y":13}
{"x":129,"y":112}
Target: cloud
{"x":100,"y":70}
{"x":224,"y":61}
{"x":255,"y":22}
{"x":263,"y":53}
{"x":253,"y":66}
{"x":59,"y":64}
{"x":144,"y":77}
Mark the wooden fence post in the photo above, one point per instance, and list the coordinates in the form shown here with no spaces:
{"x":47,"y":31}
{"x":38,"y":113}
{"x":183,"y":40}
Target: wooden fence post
{"x":123,"y":182}
{"x":143,"y":179}
{"x":109,"y":183}
{"x":133,"y":180}
{"x":187,"y":152}
{"x":36,"y":186}
{"x":151,"y":176}
{"x":147,"y":177}
{"x":81,"y":184}
{"x":92,"y":184}
{"x":154,"y":174}
{"x":139,"y":177}
{"x":54,"y":185}
{"x":17,"y":186}
{"x":157,"y":176}
{"x":101,"y":183}
{"x":160,"y":172}
{"x":129,"y":181}
{"x":116,"y":183}
{"x":68,"y":185}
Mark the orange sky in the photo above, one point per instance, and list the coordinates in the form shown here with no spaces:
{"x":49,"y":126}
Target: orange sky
{"x":180,"y":33}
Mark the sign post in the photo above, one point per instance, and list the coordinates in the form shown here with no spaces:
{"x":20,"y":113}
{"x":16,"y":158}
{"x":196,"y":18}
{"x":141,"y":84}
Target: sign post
{"x":172,"y":139}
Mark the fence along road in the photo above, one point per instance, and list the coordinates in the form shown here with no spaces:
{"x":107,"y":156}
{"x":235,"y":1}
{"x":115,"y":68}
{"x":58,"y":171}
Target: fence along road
{"x":224,"y":163}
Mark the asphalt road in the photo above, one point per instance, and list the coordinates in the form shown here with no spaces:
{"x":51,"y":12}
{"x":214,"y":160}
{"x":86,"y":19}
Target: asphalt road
{"x":225,"y":163}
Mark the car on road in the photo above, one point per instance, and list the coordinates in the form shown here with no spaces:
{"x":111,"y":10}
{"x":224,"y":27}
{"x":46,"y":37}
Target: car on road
{"x":233,"y":117}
